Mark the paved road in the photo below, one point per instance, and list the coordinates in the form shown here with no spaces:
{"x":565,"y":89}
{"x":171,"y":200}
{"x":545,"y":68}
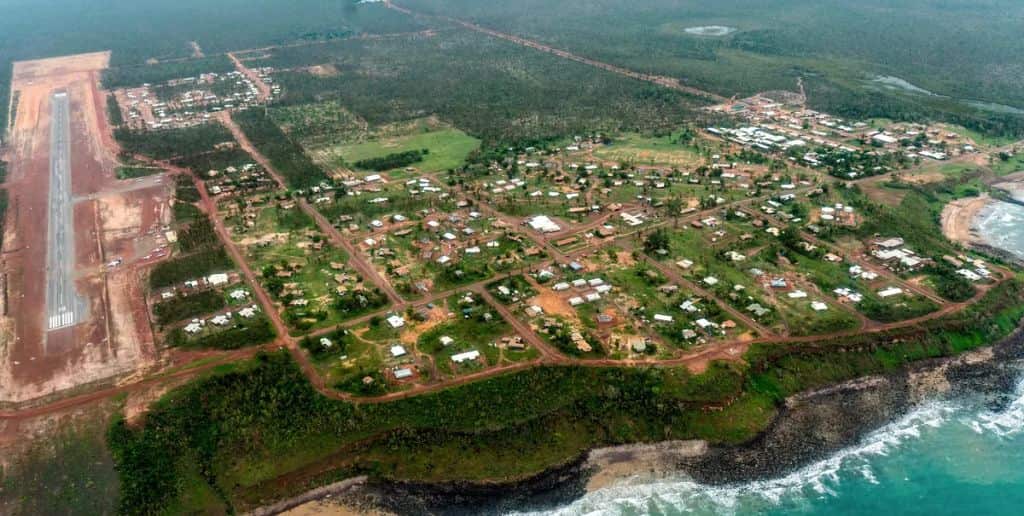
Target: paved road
{"x":64,"y":307}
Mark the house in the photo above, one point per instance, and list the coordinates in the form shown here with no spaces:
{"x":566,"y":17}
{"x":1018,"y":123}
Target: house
{"x":558,"y":287}
{"x":758,"y":310}
{"x":710,"y":281}
{"x":239,"y":294}
{"x":465,"y":357}
{"x":221,"y":320}
{"x":193,"y":328}
{"x":402,"y":373}
{"x":797,"y":294}
{"x":398,"y":351}
{"x":396,"y":321}
{"x":890,"y":243}
{"x":663,"y":318}
{"x":890,"y":292}
{"x":543,"y":224}
{"x":591,"y":297}
{"x":217,"y":279}
{"x":818,"y":306}
{"x":446,"y":340}
{"x":575,"y":301}
{"x":684,"y":264}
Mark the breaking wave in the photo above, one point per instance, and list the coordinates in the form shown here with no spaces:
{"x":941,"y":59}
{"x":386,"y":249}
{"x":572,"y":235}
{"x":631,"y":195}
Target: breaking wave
{"x":796,"y":490}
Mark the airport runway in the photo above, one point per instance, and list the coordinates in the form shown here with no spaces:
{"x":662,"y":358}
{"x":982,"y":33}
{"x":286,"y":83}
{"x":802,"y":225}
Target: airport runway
{"x":64,"y":307}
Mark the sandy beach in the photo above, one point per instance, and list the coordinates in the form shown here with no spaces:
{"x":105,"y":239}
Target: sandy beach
{"x":958,"y":219}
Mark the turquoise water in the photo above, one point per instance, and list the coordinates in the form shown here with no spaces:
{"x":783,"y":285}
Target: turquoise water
{"x":946,"y":457}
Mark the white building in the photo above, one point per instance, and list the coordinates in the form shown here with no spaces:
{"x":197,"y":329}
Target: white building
{"x":396,"y":321}
{"x":465,"y":357}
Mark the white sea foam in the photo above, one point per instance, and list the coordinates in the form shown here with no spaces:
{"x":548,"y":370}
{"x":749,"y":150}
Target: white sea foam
{"x":1008,"y":422}
{"x":819,"y":479}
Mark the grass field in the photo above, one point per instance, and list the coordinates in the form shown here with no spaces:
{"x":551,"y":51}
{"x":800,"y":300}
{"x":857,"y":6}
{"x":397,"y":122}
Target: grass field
{"x":448,"y":149}
{"x":637,"y":149}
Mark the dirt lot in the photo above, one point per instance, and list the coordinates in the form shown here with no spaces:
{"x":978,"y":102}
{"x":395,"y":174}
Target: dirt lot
{"x":112,"y":342}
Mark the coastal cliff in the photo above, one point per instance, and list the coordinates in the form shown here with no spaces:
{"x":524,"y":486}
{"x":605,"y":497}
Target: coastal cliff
{"x":809,"y":427}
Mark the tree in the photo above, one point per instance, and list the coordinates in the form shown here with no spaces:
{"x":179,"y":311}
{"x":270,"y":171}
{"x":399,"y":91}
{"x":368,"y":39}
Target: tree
{"x":657,"y":240}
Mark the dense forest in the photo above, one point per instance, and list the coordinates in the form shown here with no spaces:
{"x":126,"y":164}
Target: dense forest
{"x":962,"y":51}
{"x":173,"y":143}
{"x":136,"y":75}
{"x":492,"y":89}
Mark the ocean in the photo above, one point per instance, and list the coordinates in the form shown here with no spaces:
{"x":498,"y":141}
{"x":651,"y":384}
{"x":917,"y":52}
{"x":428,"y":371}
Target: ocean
{"x":1001,"y":224}
{"x":950,"y":456}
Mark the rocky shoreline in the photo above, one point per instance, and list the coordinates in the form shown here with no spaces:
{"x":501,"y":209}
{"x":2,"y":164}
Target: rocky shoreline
{"x":811,"y":426}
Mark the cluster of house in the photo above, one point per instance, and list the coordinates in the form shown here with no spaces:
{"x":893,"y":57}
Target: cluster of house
{"x":589,"y":291}
{"x":234,"y":179}
{"x":552,"y":326}
{"x":780,"y":283}
{"x":762,"y":138}
{"x":974,"y":269}
{"x":921,"y":140}
{"x":213,"y":280}
{"x":194,"y":98}
{"x":197,"y":325}
{"x":776,"y":128}
{"x":838,"y":214}
{"x":896,"y":256}
{"x":799,"y":124}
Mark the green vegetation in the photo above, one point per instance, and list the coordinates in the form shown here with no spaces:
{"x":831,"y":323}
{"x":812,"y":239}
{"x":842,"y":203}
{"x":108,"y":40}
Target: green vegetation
{"x":67,"y":470}
{"x":172,"y":143}
{"x":114,"y":111}
{"x":393,"y":160}
{"x":198,"y":235}
{"x":492,"y":89}
{"x":188,"y":267}
{"x":182,"y":307}
{"x":133,"y":172}
{"x":442,"y":149}
{"x":287,"y":157}
{"x":269,"y":420}
{"x":217,"y":160}
{"x":837,"y":47}
{"x":130,"y":76}
{"x":239,"y":334}
{"x":238,"y":431}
